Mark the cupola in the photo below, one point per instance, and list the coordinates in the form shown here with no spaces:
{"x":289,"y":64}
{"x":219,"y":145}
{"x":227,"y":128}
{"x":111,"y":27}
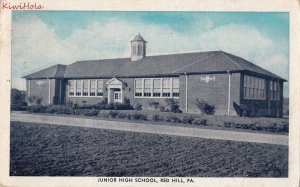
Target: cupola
{"x":138,"y":48}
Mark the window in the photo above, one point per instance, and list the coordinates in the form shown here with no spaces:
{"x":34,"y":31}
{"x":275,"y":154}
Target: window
{"x":147,"y":87}
{"x":85,"y":91}
{"x":166,"y":88}
{"x":134,"y":50}
{"x":156,"y":87}
{"x":99,"y":88}
{"x":78,"y":87}
{"x":175,"y":87}
{"x":85,"y":88}
{"x":254,"y":88}
{"x":273,"y":90}
{"x":71,"y":87}
{"x":140,"y":50}
{"x":138,"y":88}
{"x":93,"y":88}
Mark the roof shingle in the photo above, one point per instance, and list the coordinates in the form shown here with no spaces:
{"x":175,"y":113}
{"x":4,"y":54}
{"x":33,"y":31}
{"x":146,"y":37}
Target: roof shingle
{"x":201,"y":62}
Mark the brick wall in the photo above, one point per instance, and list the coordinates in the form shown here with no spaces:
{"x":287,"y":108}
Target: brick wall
{"x":214,"y":91}
{"x":40,"y":88}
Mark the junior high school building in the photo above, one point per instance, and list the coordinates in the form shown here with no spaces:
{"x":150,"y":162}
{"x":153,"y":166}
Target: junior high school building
{"x":216,"y":77}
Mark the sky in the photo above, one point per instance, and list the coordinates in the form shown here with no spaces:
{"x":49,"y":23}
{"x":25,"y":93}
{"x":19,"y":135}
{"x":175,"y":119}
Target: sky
{"x":44,"y":38}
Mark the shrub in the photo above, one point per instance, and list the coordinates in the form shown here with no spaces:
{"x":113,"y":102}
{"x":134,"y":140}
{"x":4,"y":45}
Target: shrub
{"x":113,"y":114}
{"x":91,"y":112}
{"x":76,"y":112}
{"x":154,"y":104}
{"x":138,"y":106}
{"x":200,"y":122}
{"x":69,"y":104}
{"x":172,"y":104}
{"x":122,"y":115}
{"x":242,"y":110}
{"x":33,"y":100}
{"x":187,"y":119}
{"x":36,"y":109}
{"x":105,"y":115}
{"x":138,"y":116}
{"x":173,"y":119}
{"x":205,"y":107}
{"x":162,"y":109}
{"x":121,"y":106}
{"x":17,"y":99}
{"x":156,"y":117}
{"x":61,"y":109}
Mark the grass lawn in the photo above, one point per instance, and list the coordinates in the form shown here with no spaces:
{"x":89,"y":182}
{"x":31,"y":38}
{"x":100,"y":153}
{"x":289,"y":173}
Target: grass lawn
{"x":51,"y":150}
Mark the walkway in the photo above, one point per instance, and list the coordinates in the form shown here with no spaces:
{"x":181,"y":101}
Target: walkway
{"x":155,"y":129}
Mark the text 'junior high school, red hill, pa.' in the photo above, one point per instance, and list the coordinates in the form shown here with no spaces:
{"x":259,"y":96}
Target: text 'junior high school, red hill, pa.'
{"x":22,"y":6}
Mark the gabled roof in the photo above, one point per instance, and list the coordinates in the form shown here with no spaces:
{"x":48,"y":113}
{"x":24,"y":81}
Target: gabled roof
{"x":201,"y":62}
{"x":56,"y":71}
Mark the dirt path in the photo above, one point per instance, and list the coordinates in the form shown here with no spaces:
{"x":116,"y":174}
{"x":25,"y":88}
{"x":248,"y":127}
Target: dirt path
{"x":156,"y":129}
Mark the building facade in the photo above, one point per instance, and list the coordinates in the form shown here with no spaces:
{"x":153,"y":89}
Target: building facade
{"x":216,"y":77}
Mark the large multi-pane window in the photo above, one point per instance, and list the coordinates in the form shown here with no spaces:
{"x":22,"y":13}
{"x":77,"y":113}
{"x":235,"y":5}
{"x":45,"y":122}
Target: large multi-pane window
{"x":85,"y":91}
{"x":85,"y":88}
{"x":175,"y":88}
{"x":78,"y":88}
{"x":138,"y":87}
{"x":71,"y":88}
{"x":93,"y":87}
{"x":147,"y":87}
{"x":166,"y":87}
{"x":254,"y":88}
{"x":273,"y":90}
{"x":99,"y":88}
{"x":156,"y":87}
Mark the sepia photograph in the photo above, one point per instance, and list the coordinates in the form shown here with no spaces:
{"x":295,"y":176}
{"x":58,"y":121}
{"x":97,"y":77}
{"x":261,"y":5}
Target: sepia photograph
{"x":160,"y":94}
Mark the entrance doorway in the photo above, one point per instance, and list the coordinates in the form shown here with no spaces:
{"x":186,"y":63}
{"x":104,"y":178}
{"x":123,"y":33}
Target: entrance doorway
{"x":117,"y":97}
{"x":115,"y":89}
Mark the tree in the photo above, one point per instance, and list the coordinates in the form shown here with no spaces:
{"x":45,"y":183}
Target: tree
{"x":17,"y":98}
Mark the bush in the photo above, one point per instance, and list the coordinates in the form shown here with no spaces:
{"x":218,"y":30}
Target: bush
{"x":17,"y":99}
{"x":200,"y":122}
{"x":104,"y":114}
{"x":242,"y":110}
{"x":121,"y":106}
{"x":122,"y":115}
{"x":205,"y":107}
{"x":173,"y":119}
{"x":69,"y":104}
{"x":36,"y":109}
{"x":154,"y":104}
{"x":173,"y":105}
{"x":33,"y":100}
{"x":91,"y":112}
{"x":58,"y":109}
{"x":156,"y":117}
{"x":187,"y":119}
{"x":162,"y":109}
{"x":76,"y":112}
{"x":113,"y":114}
{"x":138,"y":116}
{"x":138,"y":106}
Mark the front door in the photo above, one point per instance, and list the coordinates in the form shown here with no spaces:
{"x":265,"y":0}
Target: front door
{"x":117,"y":97}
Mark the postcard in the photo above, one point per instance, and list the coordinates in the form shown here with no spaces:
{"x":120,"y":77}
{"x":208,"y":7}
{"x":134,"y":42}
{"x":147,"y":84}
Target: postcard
{"x":150,"y":93}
